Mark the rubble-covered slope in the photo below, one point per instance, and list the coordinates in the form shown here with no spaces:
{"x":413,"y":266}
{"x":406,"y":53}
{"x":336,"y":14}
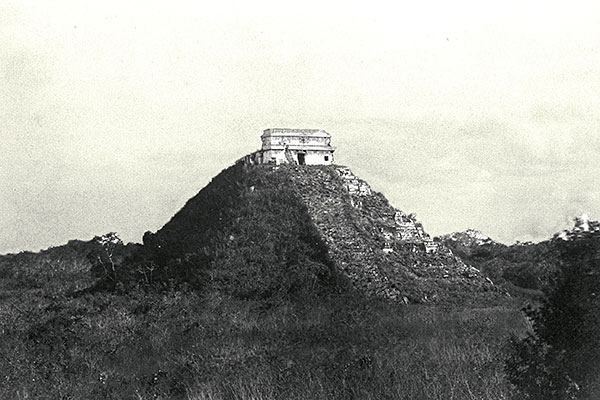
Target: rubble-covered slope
{"x":256,"y":226}
{"x":383,"y":251}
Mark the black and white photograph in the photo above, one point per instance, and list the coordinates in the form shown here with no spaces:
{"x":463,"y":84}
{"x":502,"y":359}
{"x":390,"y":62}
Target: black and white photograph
{"x":308,"y":200}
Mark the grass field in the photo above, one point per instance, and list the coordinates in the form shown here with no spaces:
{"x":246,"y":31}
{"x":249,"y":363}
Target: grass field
{"x":184,"y":345}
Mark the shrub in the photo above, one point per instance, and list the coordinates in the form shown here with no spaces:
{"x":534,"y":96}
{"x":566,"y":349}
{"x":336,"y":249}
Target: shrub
{"x":560,"y":358}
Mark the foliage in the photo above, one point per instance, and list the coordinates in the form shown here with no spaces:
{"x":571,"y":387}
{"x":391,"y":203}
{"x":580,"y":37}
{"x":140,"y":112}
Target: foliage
{"x":560,"y":358}
{"x":236,"y":298}
{"x":182,"y":345}
{"x":516,"y":267}
{"x":154,"y":342}
{"x":53,"y":270}
{"x":104,"y":255}
{"x":245,"y":234}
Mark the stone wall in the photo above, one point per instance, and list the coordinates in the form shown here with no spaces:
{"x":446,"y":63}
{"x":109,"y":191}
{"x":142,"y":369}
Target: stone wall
{"x":297,"y":146}
{"x":255,"y":158}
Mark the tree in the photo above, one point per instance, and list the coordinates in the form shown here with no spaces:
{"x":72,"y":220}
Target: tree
{"x":560,"y":358}
{"x":104,"y":257}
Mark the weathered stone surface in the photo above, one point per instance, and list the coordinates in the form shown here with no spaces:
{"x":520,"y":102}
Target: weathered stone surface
{"x":384,"y":251}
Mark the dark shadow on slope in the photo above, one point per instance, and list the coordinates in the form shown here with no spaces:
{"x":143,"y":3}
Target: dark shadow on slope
{"x":246,"y":234}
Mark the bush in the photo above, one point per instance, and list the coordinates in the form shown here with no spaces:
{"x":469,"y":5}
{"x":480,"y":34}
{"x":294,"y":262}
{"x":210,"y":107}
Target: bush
{"x":523,"y":275}
{"x":560,"y":358}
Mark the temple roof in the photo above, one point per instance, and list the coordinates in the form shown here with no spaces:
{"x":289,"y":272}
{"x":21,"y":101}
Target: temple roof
{"x":295,"y":132}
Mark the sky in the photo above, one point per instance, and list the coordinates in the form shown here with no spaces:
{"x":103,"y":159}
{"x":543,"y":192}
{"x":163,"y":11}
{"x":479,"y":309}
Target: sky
{"x":475,"y":114}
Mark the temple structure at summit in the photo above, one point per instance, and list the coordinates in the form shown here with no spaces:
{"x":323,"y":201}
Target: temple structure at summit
{"x":294,"y":146}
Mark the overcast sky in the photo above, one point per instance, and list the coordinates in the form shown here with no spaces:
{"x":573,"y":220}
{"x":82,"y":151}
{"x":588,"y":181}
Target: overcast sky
{"x":470,"y":115}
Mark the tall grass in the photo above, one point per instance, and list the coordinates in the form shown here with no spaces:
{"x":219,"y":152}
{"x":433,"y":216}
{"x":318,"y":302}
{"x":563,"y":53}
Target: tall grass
{"x":417,"y":352}
{"x":185,"y":345}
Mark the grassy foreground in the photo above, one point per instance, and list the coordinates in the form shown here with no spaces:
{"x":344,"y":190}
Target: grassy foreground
{"x":180,"y":344}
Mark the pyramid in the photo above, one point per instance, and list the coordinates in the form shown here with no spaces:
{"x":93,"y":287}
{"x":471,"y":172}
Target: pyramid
{"x":255,"y":230}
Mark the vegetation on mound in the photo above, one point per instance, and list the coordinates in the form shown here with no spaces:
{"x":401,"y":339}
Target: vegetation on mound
{"x":234,"y":240}
{"x":294,"y":231}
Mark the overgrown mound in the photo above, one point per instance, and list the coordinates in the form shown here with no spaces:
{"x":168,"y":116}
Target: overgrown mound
{"x":233,"y":299}
{"x":247,"y":234}
{"x":262,"y":231}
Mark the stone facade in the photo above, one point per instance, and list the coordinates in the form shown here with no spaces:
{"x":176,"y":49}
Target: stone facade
{"x":293,"y":146}
{"x":408,"y":229}
{"x":354,"y":185}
